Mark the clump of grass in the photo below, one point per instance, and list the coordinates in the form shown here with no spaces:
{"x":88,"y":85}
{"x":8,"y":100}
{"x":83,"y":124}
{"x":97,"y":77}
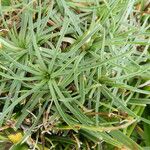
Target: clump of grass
{"x":75,"y":74}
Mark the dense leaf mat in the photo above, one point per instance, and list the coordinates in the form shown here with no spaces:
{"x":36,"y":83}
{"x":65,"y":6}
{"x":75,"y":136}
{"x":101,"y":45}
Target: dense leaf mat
{"x":74,"y":74}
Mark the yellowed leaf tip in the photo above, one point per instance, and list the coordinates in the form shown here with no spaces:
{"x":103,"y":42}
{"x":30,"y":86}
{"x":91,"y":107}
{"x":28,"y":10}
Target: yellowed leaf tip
{"x":1,"y":46}
{"x":15,"y":138}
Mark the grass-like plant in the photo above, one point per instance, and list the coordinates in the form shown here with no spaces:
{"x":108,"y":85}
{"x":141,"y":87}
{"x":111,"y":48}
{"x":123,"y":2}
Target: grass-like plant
{"x":74,"y":74}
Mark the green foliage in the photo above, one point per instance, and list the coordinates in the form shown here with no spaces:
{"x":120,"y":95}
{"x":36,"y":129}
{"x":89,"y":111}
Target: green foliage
{"x":147,"y":128}
{"x":75,"y":74}
{"x":6,"y":2}
{"x":19,"y":147}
